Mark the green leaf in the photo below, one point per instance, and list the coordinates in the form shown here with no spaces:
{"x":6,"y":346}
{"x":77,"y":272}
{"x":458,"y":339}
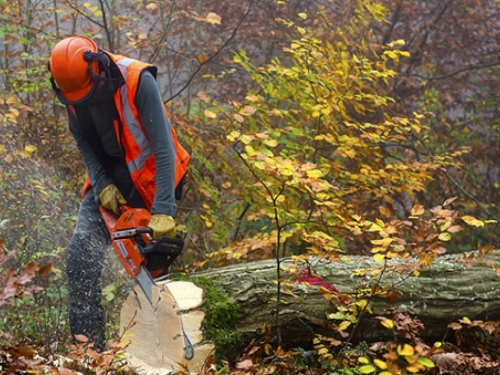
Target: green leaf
{"x":424,"y":361}
{"x":445,"y":236}
{"x":109,"y":292}
{"x":336,"y":316}
{"x":367,"y":369}
{"x":363,"y":360}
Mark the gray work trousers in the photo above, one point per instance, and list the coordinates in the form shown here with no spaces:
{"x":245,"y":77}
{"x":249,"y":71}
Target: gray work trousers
{"x":87,"y":252}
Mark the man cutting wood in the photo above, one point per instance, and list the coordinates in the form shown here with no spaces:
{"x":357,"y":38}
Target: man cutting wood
{"x":131,"y":154}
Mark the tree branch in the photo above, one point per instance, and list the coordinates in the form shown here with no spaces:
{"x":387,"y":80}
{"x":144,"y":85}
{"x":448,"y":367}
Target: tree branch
{"x":473,"y":67}
{"x":202,"y":64}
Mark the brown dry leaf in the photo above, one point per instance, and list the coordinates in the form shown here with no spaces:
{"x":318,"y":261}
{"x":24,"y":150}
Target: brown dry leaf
{"x":213,"y":18}
{"x":28,"y":273}
{"x":202,"y":96}
{"x":238,"y":118}
{"x":393,"y":296}
{"x":448,"y":201}
{"x":268,"y":349}
{"x":245,"y":365}
{"x":24,"y":351}
{"x":447,"y":361}
{"x":454,"y":229}
{"x":417,"y":210}
{"x":81,"y":338}
{"x":455,"y":326}
{"x":45,"y":270}
{"x":385,"y":211}
{"x":252,"y":98}
{"x":247,"y":110}
{"x":12,"y":100}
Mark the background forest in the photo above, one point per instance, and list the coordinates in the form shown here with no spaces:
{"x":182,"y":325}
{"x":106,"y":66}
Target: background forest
{"x":362,"y":127}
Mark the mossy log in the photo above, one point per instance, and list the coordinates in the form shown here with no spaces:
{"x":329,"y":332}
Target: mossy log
{"x":443,"y":293}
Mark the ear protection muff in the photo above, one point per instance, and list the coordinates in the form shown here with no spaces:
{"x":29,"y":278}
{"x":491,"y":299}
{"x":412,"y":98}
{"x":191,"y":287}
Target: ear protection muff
{"x":100,"y":57}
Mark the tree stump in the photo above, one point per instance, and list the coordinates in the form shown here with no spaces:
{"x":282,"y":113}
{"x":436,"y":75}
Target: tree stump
{"x":157,"y":331}
{"x":444,"y":292}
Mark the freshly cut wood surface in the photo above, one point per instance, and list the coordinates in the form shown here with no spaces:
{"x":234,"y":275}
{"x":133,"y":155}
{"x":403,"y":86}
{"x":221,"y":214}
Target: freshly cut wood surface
{"x":156,"y":331}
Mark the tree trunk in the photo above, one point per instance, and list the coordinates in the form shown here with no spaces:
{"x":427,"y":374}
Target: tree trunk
{"x":444,"y":292}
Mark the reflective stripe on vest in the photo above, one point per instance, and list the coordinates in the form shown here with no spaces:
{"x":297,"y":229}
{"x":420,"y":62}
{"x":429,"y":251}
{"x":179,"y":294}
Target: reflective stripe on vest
{"x":130,"y":122}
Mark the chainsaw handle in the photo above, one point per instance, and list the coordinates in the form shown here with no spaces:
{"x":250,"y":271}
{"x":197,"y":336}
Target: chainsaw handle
{"x":145,"y":230}
{"x":162,"y":253}
{"x":166,"y":245}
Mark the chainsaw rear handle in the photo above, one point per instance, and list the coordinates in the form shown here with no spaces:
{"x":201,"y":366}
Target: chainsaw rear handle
{"x":165,"y":245}
{"x":161,"y":254}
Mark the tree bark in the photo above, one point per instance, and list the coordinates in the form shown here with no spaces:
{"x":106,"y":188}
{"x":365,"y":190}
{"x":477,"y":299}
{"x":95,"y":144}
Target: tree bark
{"x":443,"y":293}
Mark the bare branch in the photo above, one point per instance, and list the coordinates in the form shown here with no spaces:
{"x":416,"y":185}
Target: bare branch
{"x":209,"y":59}
{"x":468,"y":68}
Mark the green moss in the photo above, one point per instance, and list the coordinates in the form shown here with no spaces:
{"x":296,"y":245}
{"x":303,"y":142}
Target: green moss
{"x":219,"y":325}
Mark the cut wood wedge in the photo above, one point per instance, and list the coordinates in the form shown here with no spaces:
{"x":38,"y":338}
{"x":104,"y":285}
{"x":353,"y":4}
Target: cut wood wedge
{"x":157,"y":331}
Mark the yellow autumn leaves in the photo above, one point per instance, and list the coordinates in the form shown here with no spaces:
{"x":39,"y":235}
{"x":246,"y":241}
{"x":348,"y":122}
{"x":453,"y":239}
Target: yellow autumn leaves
{"x":414,"y":357}
{"x":246,"y":110}
{"x":26,"y":153}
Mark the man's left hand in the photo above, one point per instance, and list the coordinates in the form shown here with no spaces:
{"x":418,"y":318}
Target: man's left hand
{"x":162,"y":226}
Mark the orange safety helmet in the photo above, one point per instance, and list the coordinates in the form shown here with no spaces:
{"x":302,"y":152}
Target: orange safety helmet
{"x":74,"y":67}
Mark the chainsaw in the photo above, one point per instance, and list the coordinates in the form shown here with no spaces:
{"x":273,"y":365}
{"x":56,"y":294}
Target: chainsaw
{"x":143,"y":258}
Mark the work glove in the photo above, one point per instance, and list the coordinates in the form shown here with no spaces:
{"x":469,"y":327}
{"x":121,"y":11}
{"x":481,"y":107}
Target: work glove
{"x":112,"y":199}
{"x":162,"y":226}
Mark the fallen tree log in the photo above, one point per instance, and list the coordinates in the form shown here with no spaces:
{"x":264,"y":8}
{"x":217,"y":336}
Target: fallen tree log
{"x":443,"y":293}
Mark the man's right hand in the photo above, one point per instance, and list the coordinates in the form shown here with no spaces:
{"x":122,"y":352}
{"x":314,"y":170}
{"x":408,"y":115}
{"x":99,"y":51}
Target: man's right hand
{"x":111,"y":198}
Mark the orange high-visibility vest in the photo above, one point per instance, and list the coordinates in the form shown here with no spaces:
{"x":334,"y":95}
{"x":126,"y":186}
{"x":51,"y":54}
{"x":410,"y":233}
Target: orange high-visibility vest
{"x":130,"y":133}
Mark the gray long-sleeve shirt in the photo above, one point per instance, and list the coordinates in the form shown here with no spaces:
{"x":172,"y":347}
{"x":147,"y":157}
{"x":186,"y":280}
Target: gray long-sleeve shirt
{"x":100,"y":148}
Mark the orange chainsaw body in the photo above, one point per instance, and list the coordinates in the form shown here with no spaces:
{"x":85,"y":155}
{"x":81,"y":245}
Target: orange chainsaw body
{"x":134,"y":245}
{"x":126,"y":248}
